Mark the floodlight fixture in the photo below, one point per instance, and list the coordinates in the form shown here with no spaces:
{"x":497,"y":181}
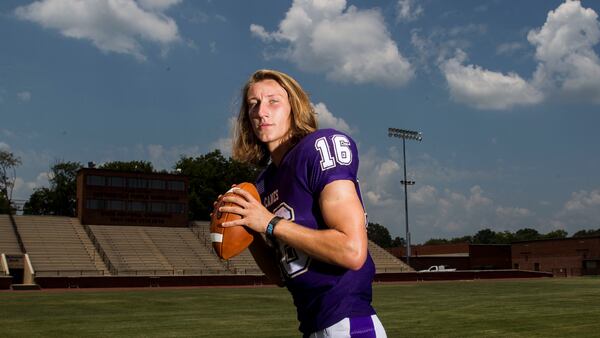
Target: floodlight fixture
{"x":405,"y":134}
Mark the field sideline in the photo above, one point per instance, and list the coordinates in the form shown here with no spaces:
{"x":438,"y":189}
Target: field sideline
{"x":549,"y":307}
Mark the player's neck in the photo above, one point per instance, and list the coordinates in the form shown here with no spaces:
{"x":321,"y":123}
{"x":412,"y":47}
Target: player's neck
{"x":278,"y":152}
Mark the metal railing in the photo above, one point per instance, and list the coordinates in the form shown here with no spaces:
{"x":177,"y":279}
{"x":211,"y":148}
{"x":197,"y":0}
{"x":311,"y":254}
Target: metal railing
{"x":174,"y":272}
{"x":68,"y":273}
{"x":111,"y":268}
{"x":17,"y":234}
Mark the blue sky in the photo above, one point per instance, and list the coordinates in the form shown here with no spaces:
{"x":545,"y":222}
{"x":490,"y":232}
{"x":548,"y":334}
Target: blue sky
{"x":506,"y":94}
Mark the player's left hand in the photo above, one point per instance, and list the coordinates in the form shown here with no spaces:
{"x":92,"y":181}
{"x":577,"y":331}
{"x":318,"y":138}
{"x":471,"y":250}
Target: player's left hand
{"x":254,"y":215}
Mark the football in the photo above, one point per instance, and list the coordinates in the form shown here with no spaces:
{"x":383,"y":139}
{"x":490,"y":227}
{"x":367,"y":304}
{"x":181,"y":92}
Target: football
{"x":229,"y":242}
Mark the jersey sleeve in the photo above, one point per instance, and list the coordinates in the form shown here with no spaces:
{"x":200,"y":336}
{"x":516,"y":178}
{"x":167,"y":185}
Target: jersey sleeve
{"x":333,"y":156}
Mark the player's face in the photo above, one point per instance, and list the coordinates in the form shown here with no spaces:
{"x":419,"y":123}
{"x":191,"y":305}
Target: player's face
{"x":269,"y":110}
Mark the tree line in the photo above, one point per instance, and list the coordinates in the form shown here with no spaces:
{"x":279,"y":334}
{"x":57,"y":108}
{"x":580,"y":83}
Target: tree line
{"x":209,"y":175}
{"x":380,"y":235}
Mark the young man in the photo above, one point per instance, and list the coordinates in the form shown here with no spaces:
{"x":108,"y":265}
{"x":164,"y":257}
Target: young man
{"x":310,"y":228}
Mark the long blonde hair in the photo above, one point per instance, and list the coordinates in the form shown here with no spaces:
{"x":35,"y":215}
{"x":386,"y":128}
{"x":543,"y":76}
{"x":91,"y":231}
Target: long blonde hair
{"x":246,"y":146}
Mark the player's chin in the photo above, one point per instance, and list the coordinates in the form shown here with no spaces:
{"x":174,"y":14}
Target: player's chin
{"x":263,"y":137}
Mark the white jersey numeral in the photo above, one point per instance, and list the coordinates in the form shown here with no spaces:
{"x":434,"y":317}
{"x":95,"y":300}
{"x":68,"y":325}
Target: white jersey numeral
{"x":327,"y":161}
{"x":293,"y":262}
{"x":342,"y":151}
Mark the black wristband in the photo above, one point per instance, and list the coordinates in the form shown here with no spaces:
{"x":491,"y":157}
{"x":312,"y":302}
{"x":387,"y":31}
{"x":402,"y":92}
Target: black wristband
{"x":271,"y":226}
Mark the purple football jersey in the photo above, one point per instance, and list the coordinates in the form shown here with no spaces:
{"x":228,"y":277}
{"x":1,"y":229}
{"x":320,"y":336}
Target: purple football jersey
{"x":323,"y":293}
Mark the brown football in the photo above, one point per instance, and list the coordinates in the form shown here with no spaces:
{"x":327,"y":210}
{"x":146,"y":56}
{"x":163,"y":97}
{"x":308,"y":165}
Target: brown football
{"x":229,"y":242}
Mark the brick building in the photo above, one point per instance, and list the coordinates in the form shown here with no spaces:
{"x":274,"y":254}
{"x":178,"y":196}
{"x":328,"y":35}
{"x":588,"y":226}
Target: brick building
{"x":562,"y":257}
{"x":109,"y":197}
{"x":461,"y":256}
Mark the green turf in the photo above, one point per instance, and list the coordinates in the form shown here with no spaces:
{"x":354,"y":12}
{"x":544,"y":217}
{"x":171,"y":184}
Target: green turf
{"x":510,"y":308}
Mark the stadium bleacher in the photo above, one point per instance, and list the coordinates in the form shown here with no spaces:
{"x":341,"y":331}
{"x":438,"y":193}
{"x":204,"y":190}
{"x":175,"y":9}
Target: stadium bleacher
{"x":8,"y":240}
{"x":59,"y":246}
{"x":244,"y":262}
{"x":241,"y":264}
{"x":386,"y":262}
{"x":135,"y":250}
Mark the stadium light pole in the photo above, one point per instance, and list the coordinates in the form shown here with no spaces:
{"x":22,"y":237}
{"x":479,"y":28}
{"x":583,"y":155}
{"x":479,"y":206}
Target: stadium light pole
{"x":404,"y":135}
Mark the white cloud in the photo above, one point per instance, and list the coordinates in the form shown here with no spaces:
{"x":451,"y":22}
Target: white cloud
{"x":155,"y":151}
{"x":568,"y":66}
{"x":327,"y":120}
{"x":23,"y":189}
{"x":158,"y":5}
{"x":117,"y":26}
{"x":435,"y":211}
{"x":485,"y":89}
{"x":440,"y":44}
{"x":4,"y":146}
{"x":512,"y":212}
{"x":583,"y":200}
{"x":509,"y":48}
{"x":162,"y":157}
{"x":580,"y":211}
{"x":408,"y":10}
{"x":565,"y":51}
{"x":477,"y":29}
{"x":24,"y":96}
{"x":225,"y":144}
{"x":348,"y":44}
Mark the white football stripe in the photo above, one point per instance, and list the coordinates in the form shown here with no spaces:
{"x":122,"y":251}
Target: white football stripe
{"x":216,"y":237}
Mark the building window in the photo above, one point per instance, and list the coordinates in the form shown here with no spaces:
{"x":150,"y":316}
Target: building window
{"x":176,"y":185}
{"x":136,"y":206}
{"x":137,"y":183}
{"x":115,"y":205}
{"x":536,"y":266}
{"x":94,"y":204}
{"x":116,"y":182}
{"x":157,"y":207}
{"x":516,"y":266}
{"x":157,"y":184}
{"x":176,"y":208}
{"x":96,"y":180}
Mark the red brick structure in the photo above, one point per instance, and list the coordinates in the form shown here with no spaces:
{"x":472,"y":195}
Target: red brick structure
{"x":461,"y":256}
{"x":109,"y":197}
{"x":562,"y":257}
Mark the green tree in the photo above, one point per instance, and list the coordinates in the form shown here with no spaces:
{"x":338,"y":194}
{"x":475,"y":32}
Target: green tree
{"x":398,"y":242}
{"x":485,"y":236}
{"x":505,"y":237}
{"x":210,"y":176}
{"x":8,"y":175}
{"x":61,"y":197}
{"x":436,"y":241}
{"x":40,"y":203}
{"x":132,"y":166}
{"x":379,"y":234}
{"x":587,"y":233}
{"x":527,"y":234}
{"x":463,"y":239}
{"x":556,"y":234}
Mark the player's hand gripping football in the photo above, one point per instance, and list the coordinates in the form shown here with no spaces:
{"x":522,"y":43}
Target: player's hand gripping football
{"x":254,"y":215}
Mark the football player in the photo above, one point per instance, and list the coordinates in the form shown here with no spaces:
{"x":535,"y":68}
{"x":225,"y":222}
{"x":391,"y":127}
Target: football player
{"x":310,"y":226}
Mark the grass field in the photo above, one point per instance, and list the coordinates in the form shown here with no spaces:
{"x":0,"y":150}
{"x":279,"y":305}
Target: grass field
{"x":500,"y":308}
